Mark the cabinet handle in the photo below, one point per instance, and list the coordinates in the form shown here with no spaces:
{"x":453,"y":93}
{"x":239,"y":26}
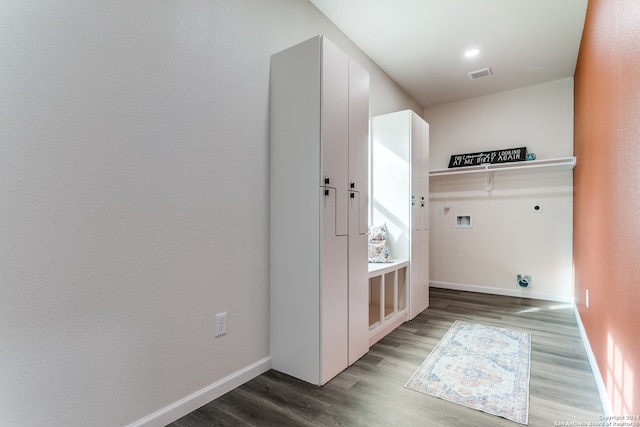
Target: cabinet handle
{"x":326,"y":192}
{"x":326,"y":181}
{"x":353,"y":185}
{"x":353,"y":195}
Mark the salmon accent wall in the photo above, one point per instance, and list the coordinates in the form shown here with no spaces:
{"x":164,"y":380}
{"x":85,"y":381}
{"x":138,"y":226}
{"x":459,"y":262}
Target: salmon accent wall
{"x":607,"y":195}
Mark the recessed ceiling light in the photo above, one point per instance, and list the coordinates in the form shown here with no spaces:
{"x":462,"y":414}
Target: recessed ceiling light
{"x":472,"y":52}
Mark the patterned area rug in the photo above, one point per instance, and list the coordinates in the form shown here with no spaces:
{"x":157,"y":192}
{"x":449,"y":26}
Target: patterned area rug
{"x":481,"y":367}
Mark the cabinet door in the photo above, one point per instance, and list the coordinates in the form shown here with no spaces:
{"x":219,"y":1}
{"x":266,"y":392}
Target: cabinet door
{"x":417,"y":197}
{"x":333,"y":292}
{"x":424,"y":260}
{"x":358,"y":204}
{"x":419,"y":285}
{"x":415,"y":274}
{"x":424,"y":182}
{"x":358,"y":287}
{"x":423,"y":295}
{"x":359,"y":140}
{"x":335,"y":129}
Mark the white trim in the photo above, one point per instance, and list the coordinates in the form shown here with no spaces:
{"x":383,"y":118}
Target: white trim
{"x":602,"y":388}
{"x":190,"y":403}
{"x":378,"y":269}
{"x":383,"y":330}
{"x":522,"y":292}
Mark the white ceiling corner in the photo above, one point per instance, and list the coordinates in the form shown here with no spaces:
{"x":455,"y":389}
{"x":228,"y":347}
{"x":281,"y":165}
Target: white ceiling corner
{"x":421,"y":43}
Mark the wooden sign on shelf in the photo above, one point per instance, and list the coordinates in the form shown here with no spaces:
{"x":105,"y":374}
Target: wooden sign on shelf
{"x":496,"y":156}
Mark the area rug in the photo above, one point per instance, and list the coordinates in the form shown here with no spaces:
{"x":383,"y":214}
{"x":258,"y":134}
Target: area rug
{"x":479,"y":366}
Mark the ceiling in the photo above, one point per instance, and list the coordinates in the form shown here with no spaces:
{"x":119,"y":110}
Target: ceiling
{"x":421,"y":43}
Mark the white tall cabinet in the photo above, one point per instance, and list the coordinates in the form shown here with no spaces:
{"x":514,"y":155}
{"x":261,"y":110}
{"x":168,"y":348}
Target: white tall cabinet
{"x":318,"y":210}
{"x":400,"y":194}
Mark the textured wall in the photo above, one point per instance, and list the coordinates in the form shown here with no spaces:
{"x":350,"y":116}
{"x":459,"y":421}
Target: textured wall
{"x":134,"y":198}
{"x":607,"y":195}
{"x":507,"y":238}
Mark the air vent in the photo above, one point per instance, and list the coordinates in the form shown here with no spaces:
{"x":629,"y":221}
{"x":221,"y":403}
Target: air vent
{"x":478,"y":74}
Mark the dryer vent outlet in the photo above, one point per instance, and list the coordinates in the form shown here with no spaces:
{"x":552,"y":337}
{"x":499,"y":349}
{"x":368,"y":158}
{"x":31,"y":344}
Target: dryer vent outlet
{"x":524,"y":280}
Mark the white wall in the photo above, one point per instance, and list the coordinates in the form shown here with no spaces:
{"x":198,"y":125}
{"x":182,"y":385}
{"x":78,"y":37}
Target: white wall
{"x":507,"y":237}
{"x":134,"y":188}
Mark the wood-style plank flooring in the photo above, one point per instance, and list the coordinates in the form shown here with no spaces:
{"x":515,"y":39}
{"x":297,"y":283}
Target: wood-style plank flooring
{"x":371,"y":392}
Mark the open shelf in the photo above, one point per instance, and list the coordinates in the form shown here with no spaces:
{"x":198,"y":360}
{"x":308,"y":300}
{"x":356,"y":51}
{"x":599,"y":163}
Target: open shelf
{"x":549,"y":165}
{"x":387,"y":297}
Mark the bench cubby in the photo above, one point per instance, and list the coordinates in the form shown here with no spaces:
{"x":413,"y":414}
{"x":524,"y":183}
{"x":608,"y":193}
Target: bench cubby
{"x":388,"y":283}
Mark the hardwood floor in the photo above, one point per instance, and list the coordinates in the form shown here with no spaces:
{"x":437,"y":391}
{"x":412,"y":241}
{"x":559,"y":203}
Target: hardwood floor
{"x":371,"y":392}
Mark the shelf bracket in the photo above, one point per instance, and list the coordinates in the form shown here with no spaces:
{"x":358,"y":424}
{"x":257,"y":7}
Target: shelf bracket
{"x":488,"y":181}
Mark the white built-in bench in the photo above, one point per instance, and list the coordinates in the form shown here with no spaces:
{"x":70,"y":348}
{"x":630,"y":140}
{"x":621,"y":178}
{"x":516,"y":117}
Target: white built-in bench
{"x":387,"y":297}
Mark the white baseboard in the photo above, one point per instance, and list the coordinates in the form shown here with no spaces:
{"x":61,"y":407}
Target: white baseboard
{"x":383,"y":330}
{"x":602,"y":389}
{"x":190,"y":403}
{"x":523,"y":292}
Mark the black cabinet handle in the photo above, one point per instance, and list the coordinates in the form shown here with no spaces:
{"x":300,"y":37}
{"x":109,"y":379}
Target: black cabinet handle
{"x":326,"y":181}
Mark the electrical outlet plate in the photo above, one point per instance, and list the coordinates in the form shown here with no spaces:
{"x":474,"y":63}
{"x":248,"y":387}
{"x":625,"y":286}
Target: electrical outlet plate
{"x":221,"y":324}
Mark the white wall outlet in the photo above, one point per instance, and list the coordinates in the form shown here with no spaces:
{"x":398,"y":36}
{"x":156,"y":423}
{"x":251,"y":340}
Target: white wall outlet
{"x":221,"y":324}
{"x":536,"y":208}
